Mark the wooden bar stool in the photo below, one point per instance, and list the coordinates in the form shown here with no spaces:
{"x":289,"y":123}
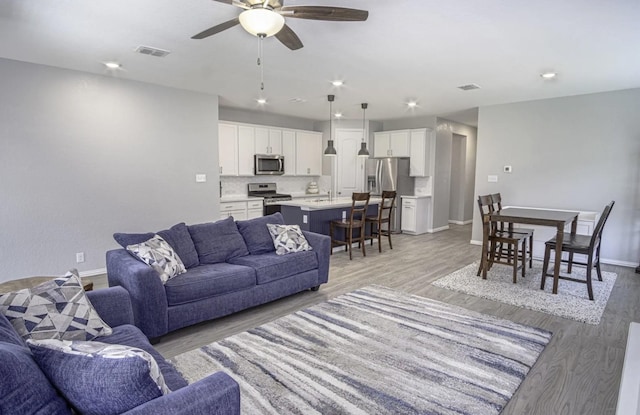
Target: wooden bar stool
{"x":353,"y":223}
{"x":382,"y":221}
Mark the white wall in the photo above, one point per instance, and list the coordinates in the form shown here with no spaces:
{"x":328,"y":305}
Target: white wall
{"x":576,"y":152}
{"x":84,"y":156}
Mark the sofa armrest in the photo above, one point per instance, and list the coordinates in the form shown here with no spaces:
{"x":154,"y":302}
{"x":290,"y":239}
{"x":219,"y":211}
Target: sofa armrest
{"x":216,"y":394}
{"x":113,"y":305}
{"x":148,"y":297}
{"x":322,"y":245}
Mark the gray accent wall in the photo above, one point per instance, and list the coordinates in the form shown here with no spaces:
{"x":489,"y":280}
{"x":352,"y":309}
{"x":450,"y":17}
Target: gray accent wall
{"x":83,"y":156}
{"x":576,"y":152}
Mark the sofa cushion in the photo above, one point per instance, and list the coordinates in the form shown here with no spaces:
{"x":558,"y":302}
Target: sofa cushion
{"x":270,"y":267}
{"x":24,"y":389}
{"x":207,"y":281}
{"x":256,"y":235}
{"x":130,"y":335}
{"x":55,"y":309}
{"x":99,"y":378}
{"x":177,"y":236}
{"x":159,"y":255}
{"x":217,"y":241}
{"x":288,"y":239}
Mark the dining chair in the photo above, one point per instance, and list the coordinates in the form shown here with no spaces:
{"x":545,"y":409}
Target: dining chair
{"x":496,"y":198}
{"x":588,"y":245}
{"x":355,"y":222}
{"x":497,"y":238}
{"x":382,"y":220}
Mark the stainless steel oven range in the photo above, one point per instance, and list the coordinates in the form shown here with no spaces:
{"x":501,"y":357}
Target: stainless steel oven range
{"x":272,"y":198}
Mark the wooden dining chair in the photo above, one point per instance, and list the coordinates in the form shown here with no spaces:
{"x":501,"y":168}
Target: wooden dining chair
{"x":355,"y":222}
{"x":579,"y":244}
{"x":502,"y":238}
{"x":382,"y":220}
{"x":496,"y":198}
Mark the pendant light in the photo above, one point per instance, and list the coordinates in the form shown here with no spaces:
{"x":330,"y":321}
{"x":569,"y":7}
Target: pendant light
{"x":330,"y":150}
{"x":363,"y":146}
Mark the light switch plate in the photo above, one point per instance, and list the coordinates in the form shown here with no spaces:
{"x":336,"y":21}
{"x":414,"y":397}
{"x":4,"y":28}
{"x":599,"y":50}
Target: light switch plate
{"x":492,"y":178}
{"x":201,"y":178}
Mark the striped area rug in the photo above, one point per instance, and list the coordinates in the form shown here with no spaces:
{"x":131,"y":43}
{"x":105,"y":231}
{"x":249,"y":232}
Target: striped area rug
{"x":374,"y":351}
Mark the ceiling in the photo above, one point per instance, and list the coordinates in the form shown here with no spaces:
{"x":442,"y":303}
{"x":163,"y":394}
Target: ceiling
{"x":418,"y":50}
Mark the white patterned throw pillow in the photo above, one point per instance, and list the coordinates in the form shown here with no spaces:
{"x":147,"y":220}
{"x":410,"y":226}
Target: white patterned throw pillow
{"x":288,"y":238}
{"x":157,"y":253}
{"x":55,"y":309}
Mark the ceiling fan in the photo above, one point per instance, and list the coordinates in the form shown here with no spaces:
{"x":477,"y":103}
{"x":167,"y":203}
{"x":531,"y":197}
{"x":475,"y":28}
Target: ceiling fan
{"x":264,"y":18}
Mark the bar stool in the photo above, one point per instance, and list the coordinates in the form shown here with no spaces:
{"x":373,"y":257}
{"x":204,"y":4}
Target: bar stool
{"x":385,"y":212}
{"x":354,"y":222}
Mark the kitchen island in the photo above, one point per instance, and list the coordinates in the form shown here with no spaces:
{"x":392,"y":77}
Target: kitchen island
{"x":315,"y":215}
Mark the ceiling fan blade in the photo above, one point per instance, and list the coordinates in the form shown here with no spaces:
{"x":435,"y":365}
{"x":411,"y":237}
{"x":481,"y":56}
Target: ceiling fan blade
{"x":216,"y":29}
{"x":340,"y":14}
{"x":238,"y":3}
{"x":289,"y":38}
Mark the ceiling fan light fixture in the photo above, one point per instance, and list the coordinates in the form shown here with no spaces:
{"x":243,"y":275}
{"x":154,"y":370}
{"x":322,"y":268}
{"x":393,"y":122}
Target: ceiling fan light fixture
{"x":261,"y":22}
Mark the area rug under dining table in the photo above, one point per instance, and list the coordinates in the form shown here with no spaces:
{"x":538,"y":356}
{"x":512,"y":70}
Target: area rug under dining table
{"x":374,"y":351}
{"x":572,"y":300}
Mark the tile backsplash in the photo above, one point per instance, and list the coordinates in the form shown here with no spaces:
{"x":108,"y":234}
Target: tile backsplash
{"x":422,"y":186}
{"x":235,"y":186}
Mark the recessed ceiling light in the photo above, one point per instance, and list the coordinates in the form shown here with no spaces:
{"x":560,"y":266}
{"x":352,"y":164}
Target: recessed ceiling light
{"x":412,"y":104}
{"x":548,"y":75}
{"x":337,"y":82}
{"x":338,"y":115}
{"x":112,"y":65}
{"x":262,"y":101}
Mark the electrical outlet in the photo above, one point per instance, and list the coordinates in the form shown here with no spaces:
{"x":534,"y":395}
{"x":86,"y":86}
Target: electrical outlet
{"x":304,"y":218}
{"x":201,"y":178}
{"x":492,"y":178}
{"x":344,"y":214}
{"x":79,"y":257}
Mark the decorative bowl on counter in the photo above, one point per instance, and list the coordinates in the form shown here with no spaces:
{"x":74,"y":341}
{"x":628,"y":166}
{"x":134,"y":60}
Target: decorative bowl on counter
{"x":312,"y":188}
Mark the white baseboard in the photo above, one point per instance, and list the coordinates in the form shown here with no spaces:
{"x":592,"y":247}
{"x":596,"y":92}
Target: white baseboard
{"x":628,"y":396}
{"x":93,"y":272}
{"x":461,"y":222}
{"x":440,"y":229}
{"x":474,"y":242}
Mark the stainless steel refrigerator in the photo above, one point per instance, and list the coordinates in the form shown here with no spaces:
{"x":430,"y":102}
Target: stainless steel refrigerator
{"x":390,"y":173}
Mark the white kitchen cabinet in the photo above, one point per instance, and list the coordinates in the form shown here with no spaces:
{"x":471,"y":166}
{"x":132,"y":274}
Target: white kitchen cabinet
{"x":245,"y":151}
{"x":420,"y":152}
{"x":268,"y":141}
{"x":228,"y":149}
{"x":254,"y":209}
{"x":236,"y":209}
{"x":391,"y":143}
{"x":415,"y":214}
{"x":289,"y":152}
{"x":308,"y":153}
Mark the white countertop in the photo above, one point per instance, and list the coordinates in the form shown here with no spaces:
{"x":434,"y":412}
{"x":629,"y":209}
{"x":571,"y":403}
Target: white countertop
{"x":323,"y":204}
{"x":238,"y":198}
{"x":415,"y":197}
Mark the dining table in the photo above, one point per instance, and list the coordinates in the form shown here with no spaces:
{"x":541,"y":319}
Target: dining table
{"x":531,"y":216}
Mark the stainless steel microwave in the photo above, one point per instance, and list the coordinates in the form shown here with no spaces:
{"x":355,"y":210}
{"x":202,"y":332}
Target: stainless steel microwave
{"x":270,"y":164}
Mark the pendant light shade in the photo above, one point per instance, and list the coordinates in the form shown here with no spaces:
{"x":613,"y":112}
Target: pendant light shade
{"x":330,"y":150}
{"x":363,"y":146}
{"x":261,"y":22}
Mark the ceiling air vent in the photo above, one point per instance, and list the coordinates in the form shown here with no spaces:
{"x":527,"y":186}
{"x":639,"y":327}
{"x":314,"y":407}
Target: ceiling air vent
{"x":147,"y":50}
{"x":469,"y":87}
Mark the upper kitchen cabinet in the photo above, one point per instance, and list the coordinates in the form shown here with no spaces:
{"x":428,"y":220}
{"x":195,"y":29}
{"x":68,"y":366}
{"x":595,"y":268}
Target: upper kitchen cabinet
{"x":308,"y":153}
{"x":420,"y":148}
{"x":268,"y":141}
{"x":391,"y":144}
{"x":228,"y":149}
{"x":289,"y":152}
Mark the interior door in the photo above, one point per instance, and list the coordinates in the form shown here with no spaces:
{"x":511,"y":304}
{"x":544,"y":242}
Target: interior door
{"x":350,"y":167}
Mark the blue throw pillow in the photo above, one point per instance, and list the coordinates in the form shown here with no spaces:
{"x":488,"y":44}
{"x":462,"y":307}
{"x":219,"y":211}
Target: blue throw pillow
{"x":99,"y":378}
{"x":218,"y":241}
{"x":24,"y":389}
{"x":256,"y":235}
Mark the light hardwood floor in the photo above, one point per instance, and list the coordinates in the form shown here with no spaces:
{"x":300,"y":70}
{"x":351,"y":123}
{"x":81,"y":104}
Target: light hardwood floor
{"x":578,"y":373}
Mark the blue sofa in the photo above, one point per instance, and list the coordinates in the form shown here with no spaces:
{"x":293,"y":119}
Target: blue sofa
{"x":230,"y":265}
{"x":24,"y":389}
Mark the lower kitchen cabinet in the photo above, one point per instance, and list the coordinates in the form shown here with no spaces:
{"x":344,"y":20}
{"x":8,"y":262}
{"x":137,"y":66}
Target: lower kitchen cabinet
{"x":415,"y":214}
